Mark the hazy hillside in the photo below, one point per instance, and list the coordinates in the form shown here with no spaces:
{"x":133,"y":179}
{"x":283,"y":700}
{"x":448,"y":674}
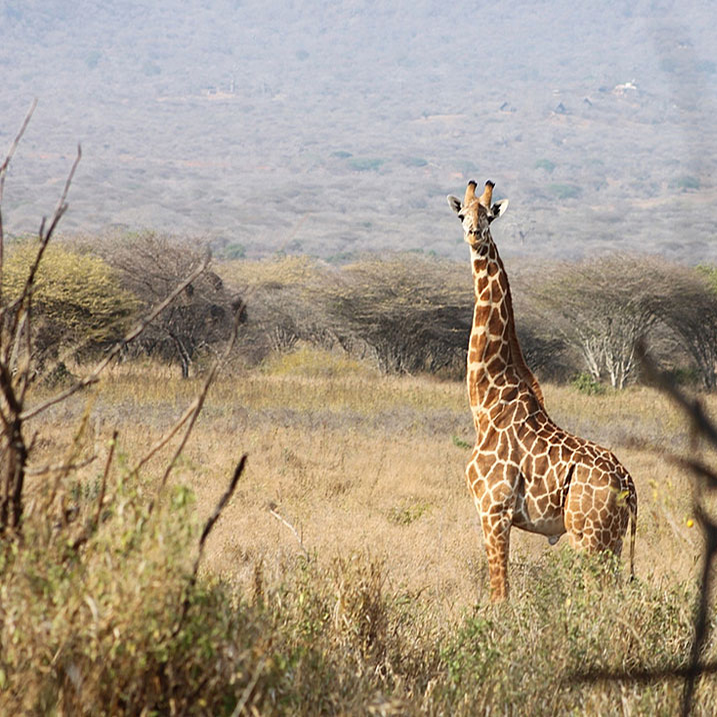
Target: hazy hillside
{"x":333,"y":128}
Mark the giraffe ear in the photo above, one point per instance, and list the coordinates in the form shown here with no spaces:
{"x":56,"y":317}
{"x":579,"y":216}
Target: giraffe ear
{"x":498,"y":208}
{"x":454,"y":203}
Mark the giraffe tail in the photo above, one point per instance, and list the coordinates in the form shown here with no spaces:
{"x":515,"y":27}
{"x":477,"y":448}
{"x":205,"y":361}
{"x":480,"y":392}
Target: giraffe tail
{"x":633,"y":529}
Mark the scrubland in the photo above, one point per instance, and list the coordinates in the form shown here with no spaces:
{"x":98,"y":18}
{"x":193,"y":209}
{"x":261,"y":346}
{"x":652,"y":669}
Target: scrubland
{"x":346,"y":575}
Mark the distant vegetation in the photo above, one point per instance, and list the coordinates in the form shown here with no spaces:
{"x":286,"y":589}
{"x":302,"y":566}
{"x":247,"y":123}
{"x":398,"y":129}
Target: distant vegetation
{"x":79,"y":302}
{"x":336,"y":129}
{"x":409,"y":313}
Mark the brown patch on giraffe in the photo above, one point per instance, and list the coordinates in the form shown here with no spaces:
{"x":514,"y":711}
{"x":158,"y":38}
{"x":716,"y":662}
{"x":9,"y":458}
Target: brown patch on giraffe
{"x":527,"y":465}
{"x":472,"y":391}
{"x":490,"y":441}
{"x":503,"y":416}
{"x":502,"y":291}
{"x":542,"y":503}
{"x":541,"y":465}
{"x":521,"y":413}
{"x":509,"y":393}
{"x":481,"y":284}
{"x":495,"y":323}
{"x":529,"y":439}
{"x":554,"y":454}
{"x":496,"y":363}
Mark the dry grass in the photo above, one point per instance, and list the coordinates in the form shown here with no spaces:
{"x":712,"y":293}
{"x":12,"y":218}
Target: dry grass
{"x":368,"y":470}
{"x":371,"y":462}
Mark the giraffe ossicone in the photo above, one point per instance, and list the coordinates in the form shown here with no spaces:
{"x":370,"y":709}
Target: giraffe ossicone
{"x":525,"y":471}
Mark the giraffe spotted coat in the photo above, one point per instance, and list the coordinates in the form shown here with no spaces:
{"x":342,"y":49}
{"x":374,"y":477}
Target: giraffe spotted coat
{"x":525,"y":471}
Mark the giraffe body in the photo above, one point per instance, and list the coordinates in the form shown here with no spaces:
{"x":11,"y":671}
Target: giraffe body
{"x":525,"y":471}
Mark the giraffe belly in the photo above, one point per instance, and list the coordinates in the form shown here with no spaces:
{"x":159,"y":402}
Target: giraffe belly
{"x":538,"y":515}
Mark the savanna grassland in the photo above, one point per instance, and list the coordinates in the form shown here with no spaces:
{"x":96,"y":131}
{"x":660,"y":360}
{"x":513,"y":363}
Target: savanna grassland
{"x":346,"y":575}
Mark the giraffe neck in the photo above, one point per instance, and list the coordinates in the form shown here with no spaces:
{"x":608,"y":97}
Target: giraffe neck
{"x":495,"y":359}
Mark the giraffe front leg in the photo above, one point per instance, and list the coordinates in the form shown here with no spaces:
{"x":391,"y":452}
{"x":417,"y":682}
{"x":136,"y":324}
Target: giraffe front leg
{"x":493,"y":490}
{"x":496,"y":536}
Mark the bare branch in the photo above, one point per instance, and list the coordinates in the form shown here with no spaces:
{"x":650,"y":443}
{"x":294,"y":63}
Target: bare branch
{"x":641,"y":676}
{"x":20,"y":309}
{"x":62,"y":205}
{"x":167,"y":436}
{"x":702,"y":426}
{"x":205,"y":534}
{"x":691,"y":406}
{"x":3,"y":173}
{"x":62,"y":468}
{"x":103,"y":485}
{"x":92,"y":526}
{"x":274,"y":512}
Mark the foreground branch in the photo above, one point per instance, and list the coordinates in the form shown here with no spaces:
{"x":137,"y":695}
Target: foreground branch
{"x":3,"y":174}
{"x":208,"y":526}
{"x":704,"y":427}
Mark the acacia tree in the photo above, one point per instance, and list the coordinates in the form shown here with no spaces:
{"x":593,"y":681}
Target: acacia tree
{"x":412,"y":313}
{"x":285,"y":303}
{"x":150,"y":266}
{"x":688,"y":306}
{"x":601,"y":307}
{"x":78,"y":303}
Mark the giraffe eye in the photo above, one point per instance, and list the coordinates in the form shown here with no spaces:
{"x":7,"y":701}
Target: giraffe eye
{"x":461,"y":217}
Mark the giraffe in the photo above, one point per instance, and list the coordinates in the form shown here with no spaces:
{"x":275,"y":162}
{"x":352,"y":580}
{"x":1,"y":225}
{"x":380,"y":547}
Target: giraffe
{"x":524,"y":470}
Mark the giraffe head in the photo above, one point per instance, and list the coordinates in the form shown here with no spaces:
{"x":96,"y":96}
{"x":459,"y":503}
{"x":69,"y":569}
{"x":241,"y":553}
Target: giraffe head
{"x":476,"y":213}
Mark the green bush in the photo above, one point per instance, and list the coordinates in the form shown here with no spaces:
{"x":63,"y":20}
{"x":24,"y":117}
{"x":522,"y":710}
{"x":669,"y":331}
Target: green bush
{"x":99,"y":630}
{"x":685,"y":183}
{"x":77,"y":299}
{"x":585,"y":383}
{"x":313,"y":362}
{"x":415,"y":162}
{"x":565,"y":191}
{"x":235,"y":251}
{"x":545,"y":164}
{"x":366,"y":164}
{"x":120,"y":627}
{"x":569,"y":614}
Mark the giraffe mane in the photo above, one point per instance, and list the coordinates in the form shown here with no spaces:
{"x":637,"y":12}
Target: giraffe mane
{"x":516,"y":352}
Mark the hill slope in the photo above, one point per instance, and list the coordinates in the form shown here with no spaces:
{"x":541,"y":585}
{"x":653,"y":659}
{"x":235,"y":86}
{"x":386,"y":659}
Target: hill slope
{"x":339,"y":128}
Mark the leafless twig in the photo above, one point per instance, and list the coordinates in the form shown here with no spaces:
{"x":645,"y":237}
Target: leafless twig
{"x":103,"y":485}
{"x":246,"y":694}
{"x":191,"y":409}
{"x":274,"y":511}
{"x":3,"y":173}
{"x":192,"y":413}
{"x":205,"y":534}
{"x":63,"y":468}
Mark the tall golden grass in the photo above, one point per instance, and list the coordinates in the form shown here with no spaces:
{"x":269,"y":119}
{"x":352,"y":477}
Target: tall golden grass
{"x":347,"y":571}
